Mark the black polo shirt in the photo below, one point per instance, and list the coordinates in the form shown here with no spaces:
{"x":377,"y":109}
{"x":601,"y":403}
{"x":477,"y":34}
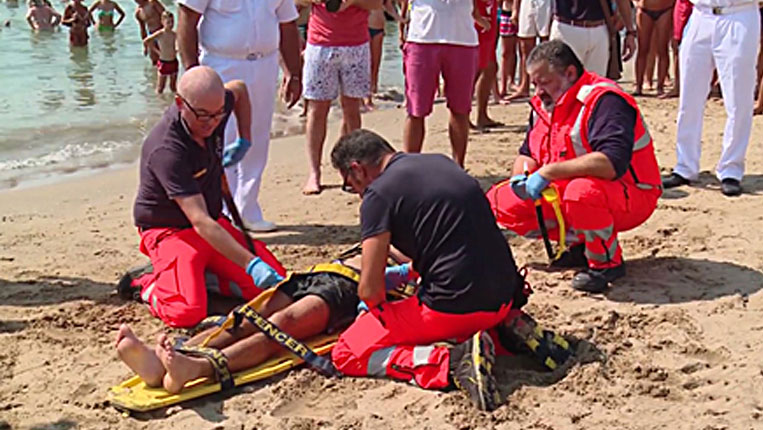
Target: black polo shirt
{"x":173,"y":165}
{"x":579,"y":10}
{"x":439,"y":216}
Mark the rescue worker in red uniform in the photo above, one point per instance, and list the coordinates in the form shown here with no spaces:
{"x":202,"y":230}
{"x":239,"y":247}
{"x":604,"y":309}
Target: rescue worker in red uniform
{"x":178,"y":209}
{"x":428,"y":208}
{"x":587,"y":138}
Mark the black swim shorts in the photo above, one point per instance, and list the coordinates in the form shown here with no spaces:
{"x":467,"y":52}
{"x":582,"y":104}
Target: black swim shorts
{"x":340,"y":293}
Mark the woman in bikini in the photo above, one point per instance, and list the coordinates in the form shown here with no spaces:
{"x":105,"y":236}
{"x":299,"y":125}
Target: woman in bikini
{"x":654,"y":18}
{"x":105,"y":10}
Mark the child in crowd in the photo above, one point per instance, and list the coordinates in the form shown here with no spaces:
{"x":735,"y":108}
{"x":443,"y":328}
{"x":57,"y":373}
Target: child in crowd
{"x":508,"y":33}
{"x":149,"y":17}
{"x":106,"y":10}
{"x":78,"y":19}
{"x":162,"y":43}
{"x":42,"y":17}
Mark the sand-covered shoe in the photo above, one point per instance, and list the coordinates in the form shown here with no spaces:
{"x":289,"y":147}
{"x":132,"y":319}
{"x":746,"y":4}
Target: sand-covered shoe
{"x":471,"y":370}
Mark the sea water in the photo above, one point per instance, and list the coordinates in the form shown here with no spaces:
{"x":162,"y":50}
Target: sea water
{"x":66,"y":110}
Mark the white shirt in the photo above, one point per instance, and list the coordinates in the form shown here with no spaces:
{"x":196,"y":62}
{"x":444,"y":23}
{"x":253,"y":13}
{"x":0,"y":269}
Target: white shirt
{"x":235,"y":28}
{"x":723,"y":3}
{"x":442,"y":21}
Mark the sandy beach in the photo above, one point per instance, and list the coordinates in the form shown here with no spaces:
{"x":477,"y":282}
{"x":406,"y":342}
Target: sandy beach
{"x":676,"y":344}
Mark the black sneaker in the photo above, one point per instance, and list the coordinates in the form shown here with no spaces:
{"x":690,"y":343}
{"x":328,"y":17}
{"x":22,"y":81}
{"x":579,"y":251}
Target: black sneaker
{"x":126,"y":289}
{"x":471,"y":370}
{"x":571,"y":258}
{"x":674,"y":180}
{"x":522,"y":334}
{"x":597,"y":280}
{"x":731,"y":187}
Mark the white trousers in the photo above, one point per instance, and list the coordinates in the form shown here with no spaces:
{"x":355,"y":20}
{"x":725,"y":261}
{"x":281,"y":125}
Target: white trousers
{"x":730,"y":44}
{"x":591,"y":45}
{"x":261,"y":78}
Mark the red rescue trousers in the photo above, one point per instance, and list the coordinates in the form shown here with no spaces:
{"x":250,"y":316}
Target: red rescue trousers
{"x":176,"y":289}
{"x":395,"y":340}
{"x":594,"y":210}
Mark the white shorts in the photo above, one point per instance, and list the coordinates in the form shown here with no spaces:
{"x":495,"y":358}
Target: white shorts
{"x":534,"y":18}
{"x":328,"y":69}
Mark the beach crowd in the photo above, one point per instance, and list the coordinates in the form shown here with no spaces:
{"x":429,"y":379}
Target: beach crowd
{"x":585,"y":172}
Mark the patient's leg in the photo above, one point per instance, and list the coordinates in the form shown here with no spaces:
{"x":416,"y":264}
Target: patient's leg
{"x":304,"y":318}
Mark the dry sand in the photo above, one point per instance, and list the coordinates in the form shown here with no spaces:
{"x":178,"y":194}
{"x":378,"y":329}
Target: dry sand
{"x":677,"y":344}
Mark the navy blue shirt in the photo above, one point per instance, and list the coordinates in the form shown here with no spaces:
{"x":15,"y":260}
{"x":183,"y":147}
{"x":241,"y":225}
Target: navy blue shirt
{"x":610,"y":131}
{"x":438,"y":215}
{"x":173,"y":165}
{"x":579,"y":10}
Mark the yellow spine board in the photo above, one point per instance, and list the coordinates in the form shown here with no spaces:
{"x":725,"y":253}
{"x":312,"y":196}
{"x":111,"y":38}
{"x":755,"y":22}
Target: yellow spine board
{"x":134,"y":395}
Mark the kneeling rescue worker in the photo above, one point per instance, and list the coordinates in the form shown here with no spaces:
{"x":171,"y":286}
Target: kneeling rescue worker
{"x":432,"y":211}
{"x":588,"y":140}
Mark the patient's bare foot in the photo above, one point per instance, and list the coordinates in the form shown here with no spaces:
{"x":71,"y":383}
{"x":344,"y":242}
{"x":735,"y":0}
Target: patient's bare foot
{"x":180,"y":368}
{"x":138,"y":357}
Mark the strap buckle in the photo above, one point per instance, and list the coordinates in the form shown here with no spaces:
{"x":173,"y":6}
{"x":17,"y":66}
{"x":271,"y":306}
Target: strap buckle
{"x":717,"y":10}
{"x":254,"y":56}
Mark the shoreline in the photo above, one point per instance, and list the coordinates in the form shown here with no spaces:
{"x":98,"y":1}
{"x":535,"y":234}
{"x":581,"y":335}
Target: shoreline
{"x":286,"y":123}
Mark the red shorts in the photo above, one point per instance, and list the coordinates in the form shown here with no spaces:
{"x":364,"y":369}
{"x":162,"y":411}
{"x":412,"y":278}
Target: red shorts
{"x":396,"y":340}
{"x":167,"y":67}
{"x":423,"y":63}
{"x":176,"y":289}
{"x":681,"y":14}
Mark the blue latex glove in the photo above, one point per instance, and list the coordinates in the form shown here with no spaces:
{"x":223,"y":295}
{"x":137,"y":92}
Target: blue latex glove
{"x":535,"y":185}
{"x":519,"y":186}
{"x":234,"y":152}
{"x":263,"y":275}
{"x":362,"y":307}
{"x":396,"y":275}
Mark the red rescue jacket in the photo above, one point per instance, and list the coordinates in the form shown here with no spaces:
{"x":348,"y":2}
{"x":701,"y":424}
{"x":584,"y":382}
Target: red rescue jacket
{"x":564,"y":134}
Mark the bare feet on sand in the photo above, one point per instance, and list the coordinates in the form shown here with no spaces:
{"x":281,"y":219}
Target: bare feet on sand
{"x":138,"y":357}
{"x":673,"y":93}
{"x":312,"y":186}
{"x":485,"y":123}
{"x":518,"y":94}
{"x":180,"y":368}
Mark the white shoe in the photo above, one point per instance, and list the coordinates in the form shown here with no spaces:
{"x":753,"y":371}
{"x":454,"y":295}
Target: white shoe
{"x":261,"y":226}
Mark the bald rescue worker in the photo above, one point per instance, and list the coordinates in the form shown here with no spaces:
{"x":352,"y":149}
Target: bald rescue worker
{"x":178,"y":210}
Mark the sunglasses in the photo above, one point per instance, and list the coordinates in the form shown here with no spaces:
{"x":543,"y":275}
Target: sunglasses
{"x":203,"y":117}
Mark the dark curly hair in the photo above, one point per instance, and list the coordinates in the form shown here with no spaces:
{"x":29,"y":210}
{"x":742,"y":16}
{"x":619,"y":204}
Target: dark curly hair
{"x":363,"y":146}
